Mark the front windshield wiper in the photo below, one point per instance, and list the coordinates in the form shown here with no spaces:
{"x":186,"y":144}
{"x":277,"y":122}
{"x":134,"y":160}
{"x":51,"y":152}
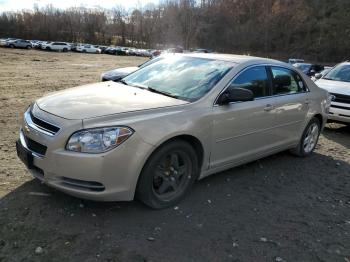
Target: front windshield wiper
{"x":162,"y":92}
{"x":123,"y":82}
{"x":128,"y":84}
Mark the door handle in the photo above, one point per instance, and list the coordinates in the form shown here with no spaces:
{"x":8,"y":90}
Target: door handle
{"x":268,"y":107}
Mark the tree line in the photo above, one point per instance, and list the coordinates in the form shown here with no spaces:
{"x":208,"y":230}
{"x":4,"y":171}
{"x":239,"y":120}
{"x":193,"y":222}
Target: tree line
{"x":318,"y":30}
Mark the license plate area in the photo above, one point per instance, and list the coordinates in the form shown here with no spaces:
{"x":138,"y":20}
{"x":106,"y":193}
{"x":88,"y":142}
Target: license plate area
{"x":25,"y":155}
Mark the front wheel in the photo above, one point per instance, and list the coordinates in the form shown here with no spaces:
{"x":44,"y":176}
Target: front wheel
{"x":309,"y":139}
{"x":168,"y":175}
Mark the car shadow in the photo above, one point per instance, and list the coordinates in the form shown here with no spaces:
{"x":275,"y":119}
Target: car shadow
{"x":338,"y":133}
{"x":267,"y":206}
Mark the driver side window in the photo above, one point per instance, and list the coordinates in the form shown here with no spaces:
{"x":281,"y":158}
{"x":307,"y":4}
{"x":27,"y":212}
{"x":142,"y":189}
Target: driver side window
{"x":254,"y":79}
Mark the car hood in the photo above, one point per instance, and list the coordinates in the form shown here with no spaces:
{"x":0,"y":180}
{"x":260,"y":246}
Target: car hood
{"x":120,"y":71}
{"x":336,"y":87}
{"x":101,"y":99}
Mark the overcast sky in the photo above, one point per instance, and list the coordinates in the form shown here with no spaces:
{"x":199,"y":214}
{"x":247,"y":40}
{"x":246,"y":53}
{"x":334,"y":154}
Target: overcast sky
{"x":13,"y":5}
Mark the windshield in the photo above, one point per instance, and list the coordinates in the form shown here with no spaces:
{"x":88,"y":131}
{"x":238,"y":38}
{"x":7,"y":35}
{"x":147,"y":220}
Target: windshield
{"x":303,"y":67}
{"x":187,"y":78}
{"x":325,"y":71}
{"x":339,"y":73}
{"x":151,"y":61}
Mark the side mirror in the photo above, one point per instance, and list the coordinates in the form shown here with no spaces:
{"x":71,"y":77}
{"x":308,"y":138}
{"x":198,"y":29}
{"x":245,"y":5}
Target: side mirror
{"x":312,"y":72}
{"x":318,"y":76}
{"x":235,"y":95}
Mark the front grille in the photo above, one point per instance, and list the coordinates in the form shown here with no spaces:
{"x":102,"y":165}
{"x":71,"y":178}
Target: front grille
{"x":82,"y":184}
{"x":44,"y":125}
{"x":341,"y":107}
{"x":35,"y":146}
{"x":341,"y":98}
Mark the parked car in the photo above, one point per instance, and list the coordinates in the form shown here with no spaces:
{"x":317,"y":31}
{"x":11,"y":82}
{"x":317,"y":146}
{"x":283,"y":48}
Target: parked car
{"x":131,"y":51}
{"x":19,"y":43}
{"x":111,"y":50}
{"x":119,"y":73}
{"x":44,"y":44}
{"x":56,"y":46}
{"x":322,"y":73}
{"x":175,"y":50}
{"x":337,"y":83}
{"x":309,"y":69}
{"x":295,"y":60}
{"x":168,"y":124}
{"x":156,"y":53}
{"x":88,"y":49}
{"x":202,"y":50}
{"x":4,"y":41}
{"x":73,"y":46}
{"x":102,"y":47}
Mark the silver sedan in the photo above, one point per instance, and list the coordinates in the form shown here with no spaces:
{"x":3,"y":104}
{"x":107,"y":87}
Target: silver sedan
{"x":158,"y":130}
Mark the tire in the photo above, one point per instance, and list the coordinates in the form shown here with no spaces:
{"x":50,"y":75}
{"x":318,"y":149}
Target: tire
{"x":168,"y":175}
{"x":48,"y":48}
{"x":29,"y":47}
{"x":309,"y":139}
{"x":84,"y":51}
{"x":65,"y":50}
{"x":11,"y":46}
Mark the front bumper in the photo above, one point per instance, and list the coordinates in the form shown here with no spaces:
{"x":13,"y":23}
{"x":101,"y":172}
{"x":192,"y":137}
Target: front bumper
{"x":109,"y":176}
{"x":339,"y":112}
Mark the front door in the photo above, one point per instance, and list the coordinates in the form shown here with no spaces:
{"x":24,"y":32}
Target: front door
{"x":245,"y":129}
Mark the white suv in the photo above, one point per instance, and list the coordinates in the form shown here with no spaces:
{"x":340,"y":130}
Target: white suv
{"x":58,"y":46}
{"x":88,"y":49}
{"x":337,"y":83}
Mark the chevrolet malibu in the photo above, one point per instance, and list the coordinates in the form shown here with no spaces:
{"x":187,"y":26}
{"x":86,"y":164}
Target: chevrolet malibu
{"x":161,"y":128}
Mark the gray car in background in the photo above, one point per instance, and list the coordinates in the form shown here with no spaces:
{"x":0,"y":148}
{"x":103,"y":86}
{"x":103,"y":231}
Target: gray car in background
{"x":119,"y":73}
{"x":19,"y":43}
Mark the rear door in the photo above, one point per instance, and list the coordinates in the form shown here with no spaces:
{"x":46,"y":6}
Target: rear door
{"x":291,"y":103}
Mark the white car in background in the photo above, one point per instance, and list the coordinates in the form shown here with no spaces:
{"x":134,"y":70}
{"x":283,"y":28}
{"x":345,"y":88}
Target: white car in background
{"x":88,"y":49}
{"x":337,"y":83}
{"x":322,"y":73}
{"x":56,"y":46}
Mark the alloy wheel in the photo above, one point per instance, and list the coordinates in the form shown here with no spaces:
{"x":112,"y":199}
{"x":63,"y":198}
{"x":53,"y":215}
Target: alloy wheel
{"x":172,"y":175}
{"x":311,"y":137}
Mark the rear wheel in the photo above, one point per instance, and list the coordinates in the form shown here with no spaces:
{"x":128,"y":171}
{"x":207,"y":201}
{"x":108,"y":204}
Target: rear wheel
{"x":29,"y":47}
{"x":168,"y":175}
{"x":309,"y":139}
{"x":65,"y":50}
{"x":12,"y":46}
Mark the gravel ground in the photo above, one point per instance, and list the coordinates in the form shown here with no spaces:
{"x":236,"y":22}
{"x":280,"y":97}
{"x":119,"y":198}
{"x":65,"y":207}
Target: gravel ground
{"x":280,"y":208}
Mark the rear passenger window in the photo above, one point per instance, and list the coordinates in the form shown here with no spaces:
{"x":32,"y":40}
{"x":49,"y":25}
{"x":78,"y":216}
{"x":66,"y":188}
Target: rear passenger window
{"x":285,"y":81}
{"x":254,"y":79}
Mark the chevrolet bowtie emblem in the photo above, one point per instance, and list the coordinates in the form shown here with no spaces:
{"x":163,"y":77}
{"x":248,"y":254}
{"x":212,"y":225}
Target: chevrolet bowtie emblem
{"x":26,"y":129}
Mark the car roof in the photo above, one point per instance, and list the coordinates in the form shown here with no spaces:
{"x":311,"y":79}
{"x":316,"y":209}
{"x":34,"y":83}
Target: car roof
{"x":237,"y":59}
{"x":299,"y":64}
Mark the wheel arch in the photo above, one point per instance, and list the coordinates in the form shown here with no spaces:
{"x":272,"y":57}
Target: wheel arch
{"x":192,"y":140}
{"x":320,"y":118}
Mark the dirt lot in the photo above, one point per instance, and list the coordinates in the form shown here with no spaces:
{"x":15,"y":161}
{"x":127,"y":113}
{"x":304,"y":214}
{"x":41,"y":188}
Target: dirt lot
{"x":281,"y":208}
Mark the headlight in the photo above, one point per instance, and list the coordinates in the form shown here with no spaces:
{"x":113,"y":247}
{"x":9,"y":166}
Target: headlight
{"x":98,"y":140}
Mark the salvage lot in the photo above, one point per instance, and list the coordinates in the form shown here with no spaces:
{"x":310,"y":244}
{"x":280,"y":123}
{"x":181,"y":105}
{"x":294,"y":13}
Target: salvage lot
{"x":281,"y":208}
